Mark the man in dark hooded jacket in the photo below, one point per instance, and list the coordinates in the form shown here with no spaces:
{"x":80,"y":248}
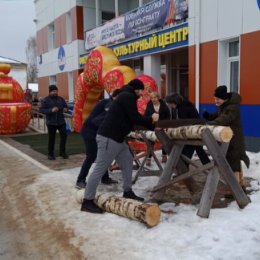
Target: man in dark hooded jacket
{"x":228,"y":114}
{"x":121,"y":117}
{"x":182,"y":108}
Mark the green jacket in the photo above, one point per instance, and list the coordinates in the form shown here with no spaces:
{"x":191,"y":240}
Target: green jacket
{"x":228,"y":114}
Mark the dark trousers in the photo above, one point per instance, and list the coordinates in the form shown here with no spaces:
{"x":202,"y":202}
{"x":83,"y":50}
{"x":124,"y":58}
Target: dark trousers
{"x":89,"y":137}
{"x":52,"y":134}
{"x":188,"y":151}
{"x":163,"y":152}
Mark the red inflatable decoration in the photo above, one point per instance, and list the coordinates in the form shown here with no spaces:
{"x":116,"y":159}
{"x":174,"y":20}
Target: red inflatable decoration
{"x":103,"y":71}
{"x":15,"y":114}
{"x":149,"y":86}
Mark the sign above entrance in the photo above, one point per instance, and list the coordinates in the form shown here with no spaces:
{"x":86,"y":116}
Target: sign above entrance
{"x":168,"y":39}
{"x":153,"y":15}
{"x":171,"y":38}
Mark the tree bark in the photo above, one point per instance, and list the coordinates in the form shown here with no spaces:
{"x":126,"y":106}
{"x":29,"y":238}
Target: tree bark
{"x":221,"y":133}
{"x":149,"y":214}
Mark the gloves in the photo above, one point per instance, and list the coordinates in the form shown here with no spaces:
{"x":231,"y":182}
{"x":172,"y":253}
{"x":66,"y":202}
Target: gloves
{"x":206,"y":115}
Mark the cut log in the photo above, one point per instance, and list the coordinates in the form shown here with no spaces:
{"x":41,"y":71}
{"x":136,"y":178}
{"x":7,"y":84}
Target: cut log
{"x":148,"y":214}
{"x":222,"y":134}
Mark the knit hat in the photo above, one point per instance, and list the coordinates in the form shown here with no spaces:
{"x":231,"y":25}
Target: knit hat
{"x":136,"y":84}
{"x":52,"y":87}
{"x":221,"y":92}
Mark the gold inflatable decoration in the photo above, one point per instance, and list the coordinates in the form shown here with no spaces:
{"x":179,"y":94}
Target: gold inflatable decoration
{"x":15,"y":114}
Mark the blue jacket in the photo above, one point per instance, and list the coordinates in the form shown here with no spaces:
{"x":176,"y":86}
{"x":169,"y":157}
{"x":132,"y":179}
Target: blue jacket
{"x":53,"y":118}
{"x":96,"y":117}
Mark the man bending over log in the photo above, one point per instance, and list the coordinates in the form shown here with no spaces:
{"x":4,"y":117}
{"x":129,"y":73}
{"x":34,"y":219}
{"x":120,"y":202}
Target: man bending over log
{"x":117,"y":124}
{"x":184,"y":109}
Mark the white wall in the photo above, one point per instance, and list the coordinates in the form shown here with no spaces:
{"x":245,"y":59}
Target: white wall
{"x":46,"y":11}
{"x":50,"y":65}
{"x":223,"y":19}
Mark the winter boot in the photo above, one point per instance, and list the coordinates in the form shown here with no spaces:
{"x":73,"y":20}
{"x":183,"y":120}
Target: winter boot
{"x":164,"y":158}
{"x":148,"y":162}
{"x":90,"y":206}
{"x":130,"y":195}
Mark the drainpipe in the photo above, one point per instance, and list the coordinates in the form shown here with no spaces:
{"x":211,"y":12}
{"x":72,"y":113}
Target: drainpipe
{"x":116,"y":8}
{"x":97,"y":12}
{"x":197,"y":44}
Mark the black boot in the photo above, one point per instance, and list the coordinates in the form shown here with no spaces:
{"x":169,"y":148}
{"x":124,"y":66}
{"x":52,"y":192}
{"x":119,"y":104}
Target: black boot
{"x":51,"y":157}
{"x":64,"y":155}
{"x":130,"y":195}
{"x":108,"y":181}
{"x":90,"y":206}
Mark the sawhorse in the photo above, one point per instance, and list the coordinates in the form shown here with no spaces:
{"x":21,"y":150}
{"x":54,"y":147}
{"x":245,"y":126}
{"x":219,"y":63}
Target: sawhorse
{"x":218,"y":166}
{"x":143,"y":170}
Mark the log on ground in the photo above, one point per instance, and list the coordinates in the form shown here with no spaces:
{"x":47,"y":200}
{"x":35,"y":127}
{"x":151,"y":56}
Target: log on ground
{"x":148,"y":214}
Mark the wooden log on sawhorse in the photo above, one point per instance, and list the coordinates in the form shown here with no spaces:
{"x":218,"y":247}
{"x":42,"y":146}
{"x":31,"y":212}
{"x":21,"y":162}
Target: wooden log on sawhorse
{"x":221,"y":167}
{"x":180,"y":165}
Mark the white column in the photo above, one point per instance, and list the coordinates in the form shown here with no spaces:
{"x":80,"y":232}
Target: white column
{"x":197,"y":44}
{"x":140,"y":3}
{"x":152,"y":67}
{"x":169,"y":76}
{"x":97,"y":12}
{"x":116,"y":8}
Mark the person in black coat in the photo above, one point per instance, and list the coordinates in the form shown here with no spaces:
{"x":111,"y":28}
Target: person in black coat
{"x":182,"y":108}
{"x":157,"y":105}
{"x":89,"y":132}
{"x":53,"y":106}
{"x":122,"y":116}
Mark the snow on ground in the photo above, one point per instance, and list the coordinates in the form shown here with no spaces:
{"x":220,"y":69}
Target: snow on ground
{"x":229,"y":233}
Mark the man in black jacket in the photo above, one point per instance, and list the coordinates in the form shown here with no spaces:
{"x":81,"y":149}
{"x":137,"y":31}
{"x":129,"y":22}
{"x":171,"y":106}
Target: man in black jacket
{"x":53,"y":106}
{"x":119,"y":121}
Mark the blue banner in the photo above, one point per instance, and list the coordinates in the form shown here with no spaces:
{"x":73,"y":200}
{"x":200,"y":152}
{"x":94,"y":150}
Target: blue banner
{"x":147,"y":17}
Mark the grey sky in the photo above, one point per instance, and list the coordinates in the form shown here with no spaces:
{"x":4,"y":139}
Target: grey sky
{"x":16,"y":26}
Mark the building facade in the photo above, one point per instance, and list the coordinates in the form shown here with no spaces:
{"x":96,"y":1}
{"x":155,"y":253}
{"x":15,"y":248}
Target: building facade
{"x":201,"y":44}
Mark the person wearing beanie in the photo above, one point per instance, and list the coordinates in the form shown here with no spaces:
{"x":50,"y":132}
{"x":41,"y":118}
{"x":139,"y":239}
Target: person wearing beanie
{"x":228,"y":114}
{"x":182,"y":108}
{"x":53,"y":106}
{"x":119,"y":121}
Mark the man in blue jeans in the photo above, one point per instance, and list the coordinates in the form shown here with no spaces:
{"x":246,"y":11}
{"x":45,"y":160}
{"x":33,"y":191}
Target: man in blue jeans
{"x":89,"y":132}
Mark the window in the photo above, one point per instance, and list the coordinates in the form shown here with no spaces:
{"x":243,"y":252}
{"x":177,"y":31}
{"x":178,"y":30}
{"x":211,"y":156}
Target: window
{"x":228,"y":67}
{"x":53,"y":80}
{"x":233,"y":65}
{"x":107,"y":16}
{"x":68,"y":27}
{"x":51,"y":37}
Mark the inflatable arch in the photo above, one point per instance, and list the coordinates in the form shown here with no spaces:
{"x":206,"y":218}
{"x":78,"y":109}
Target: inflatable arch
{"x":103,"y":71}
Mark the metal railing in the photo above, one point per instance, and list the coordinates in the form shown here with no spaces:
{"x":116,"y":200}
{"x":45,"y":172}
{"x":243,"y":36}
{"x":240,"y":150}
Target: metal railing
{"x":38,"y":120}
